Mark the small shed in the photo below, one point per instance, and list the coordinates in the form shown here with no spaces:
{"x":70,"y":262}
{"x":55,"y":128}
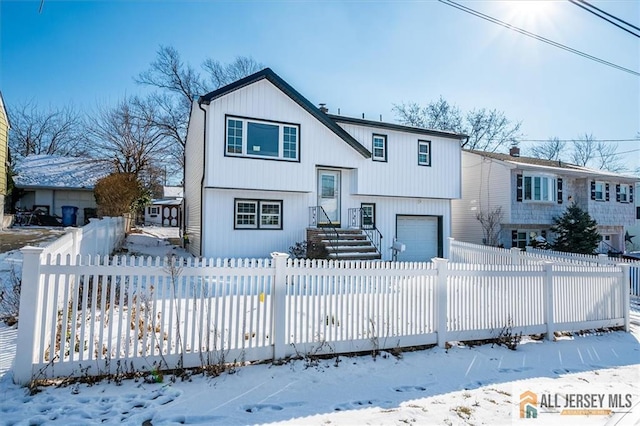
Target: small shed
{"x":166,"y":211}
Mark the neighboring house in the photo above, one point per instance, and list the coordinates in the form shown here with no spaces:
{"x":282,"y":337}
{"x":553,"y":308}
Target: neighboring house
{"x":265,"y":168}
{"x":633,"y":232}
{"x":4,"y":156}
{"x":532,"y":191}
{"x":50,"y":182}
{"x":166,"y":211}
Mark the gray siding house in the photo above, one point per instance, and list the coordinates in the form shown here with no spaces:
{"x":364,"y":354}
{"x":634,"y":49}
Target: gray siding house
{"x":530,"y":192}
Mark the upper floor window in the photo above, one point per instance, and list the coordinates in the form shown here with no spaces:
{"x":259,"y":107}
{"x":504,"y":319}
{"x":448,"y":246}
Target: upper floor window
{"x":599,"y":191}
{"x":254,"y":138}
{"x":624,"y":193}
{"x":540,"y":188}
{"x":424,"y":153}
{"x":379,"y":148}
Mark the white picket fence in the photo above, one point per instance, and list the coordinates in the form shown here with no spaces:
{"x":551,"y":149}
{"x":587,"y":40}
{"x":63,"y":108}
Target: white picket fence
{"x":83,"y":315}
{"x":473,"y":253}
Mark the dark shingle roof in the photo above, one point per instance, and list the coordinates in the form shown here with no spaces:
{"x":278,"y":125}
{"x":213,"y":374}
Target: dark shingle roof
{"x":272,"y":77}
{"x":399,"y":127}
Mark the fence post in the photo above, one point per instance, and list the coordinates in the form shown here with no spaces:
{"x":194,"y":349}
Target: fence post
{"x":515,"y":255}
{"x":626,"y":289}
{"x":447,"y":253}
{"x":30,"y":315}
{"x":279,"y":304}
{"x":75,"y":249}
{"x":548,"y":299}
{"x":441,"y":300}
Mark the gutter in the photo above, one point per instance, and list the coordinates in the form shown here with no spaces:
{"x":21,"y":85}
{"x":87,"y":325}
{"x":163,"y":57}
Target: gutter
{"x":204,"y":156}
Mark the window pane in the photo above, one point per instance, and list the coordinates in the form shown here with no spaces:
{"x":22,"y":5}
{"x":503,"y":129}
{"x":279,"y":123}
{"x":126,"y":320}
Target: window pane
{"x":234,"y":136}
{"x":527,"y":188}
{"x":536,"y":188}
{"x":262,"y":139}
{"x":246,"y":214}
{"x":423,"y":153}
{"x":290,"y":142}
{"x":545,"y":189}
{"x":379,"y":147}
{"x":328,"y":186}
{"x":270,"y":215}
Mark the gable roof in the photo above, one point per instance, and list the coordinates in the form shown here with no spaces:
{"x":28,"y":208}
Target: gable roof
{"x":268,"y":74}
{"x":55,"y":172}
{"x":556,"y":166}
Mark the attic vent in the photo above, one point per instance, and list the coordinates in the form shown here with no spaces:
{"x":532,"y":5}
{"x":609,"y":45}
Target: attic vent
{"x":323,"y":108}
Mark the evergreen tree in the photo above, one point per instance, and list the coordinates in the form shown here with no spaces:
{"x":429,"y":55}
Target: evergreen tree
{"x":576,"y":231}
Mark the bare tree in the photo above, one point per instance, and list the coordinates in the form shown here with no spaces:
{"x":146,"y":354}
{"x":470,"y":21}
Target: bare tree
{"x":607,"y":157}
{"x":37,"y":130}
{"x":491,"y":222}
{"x":488,"y":130}
{"x":178,"y":84}
{"x":552,"y":149}
{"x":583,"y":150}
{"x":220,"y":74}
{"x":127,"y":135}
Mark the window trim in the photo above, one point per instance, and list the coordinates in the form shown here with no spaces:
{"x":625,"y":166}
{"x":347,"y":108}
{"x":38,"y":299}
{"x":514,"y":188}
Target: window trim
{"x":623,"y":190}
{"x":258,"y":215}
{"x":382,"y":158}
{"x":422,"y":142}
{"x":154,"y":210}
{"x":551,"y":188}
{"x":244,"y":147}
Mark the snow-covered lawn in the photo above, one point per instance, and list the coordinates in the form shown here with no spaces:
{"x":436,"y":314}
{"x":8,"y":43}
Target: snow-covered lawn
{"x":460,"y":385}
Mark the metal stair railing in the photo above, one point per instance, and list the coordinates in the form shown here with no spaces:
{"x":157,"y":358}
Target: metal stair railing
{"x":372,"y":233}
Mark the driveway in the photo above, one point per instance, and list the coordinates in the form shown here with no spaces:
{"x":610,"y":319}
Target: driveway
{"x":15,"y":238}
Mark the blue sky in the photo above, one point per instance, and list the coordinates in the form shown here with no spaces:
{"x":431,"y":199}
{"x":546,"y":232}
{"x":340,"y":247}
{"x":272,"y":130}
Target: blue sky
{"x":359,"y":56}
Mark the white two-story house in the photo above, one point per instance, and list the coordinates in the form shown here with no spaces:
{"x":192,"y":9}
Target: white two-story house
{"x":263,"y":166}
{"x":530,"y":192}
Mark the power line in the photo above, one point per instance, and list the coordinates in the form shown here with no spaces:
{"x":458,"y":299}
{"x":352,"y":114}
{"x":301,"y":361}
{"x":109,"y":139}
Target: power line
{"x":589,"y":7}
{"x":535,"y":36}
{"x":571,"y":140}
{"x":609,"y":15}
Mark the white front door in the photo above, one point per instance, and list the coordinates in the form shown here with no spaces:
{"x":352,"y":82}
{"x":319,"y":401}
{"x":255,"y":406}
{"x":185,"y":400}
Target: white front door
{"x":329,"y":196}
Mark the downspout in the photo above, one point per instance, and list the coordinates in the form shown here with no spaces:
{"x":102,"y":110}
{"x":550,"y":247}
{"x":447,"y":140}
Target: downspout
{"x":204,"y":157}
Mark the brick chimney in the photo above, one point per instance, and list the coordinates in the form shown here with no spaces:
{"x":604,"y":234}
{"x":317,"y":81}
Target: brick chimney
{"x":323,"y":108}
{"x":514,"y":151}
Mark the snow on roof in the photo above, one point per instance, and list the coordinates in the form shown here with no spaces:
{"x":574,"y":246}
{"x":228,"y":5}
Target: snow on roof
{"x":52,"y":171}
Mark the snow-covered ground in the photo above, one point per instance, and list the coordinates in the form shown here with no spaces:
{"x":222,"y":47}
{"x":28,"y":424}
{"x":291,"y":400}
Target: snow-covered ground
{"x":459,"y":385}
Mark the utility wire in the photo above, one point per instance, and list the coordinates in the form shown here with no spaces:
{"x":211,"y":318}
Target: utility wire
{"x":535,"y":36}
{"x":609,"y":15}
{"x":577,"y":3}
{"x":571,"y":140}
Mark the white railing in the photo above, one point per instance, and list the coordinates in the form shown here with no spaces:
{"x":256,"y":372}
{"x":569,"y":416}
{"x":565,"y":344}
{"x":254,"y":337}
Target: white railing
{"x":105,"y":315}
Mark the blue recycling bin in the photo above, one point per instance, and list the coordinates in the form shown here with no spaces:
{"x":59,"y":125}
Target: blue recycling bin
{"x":69,"y":215}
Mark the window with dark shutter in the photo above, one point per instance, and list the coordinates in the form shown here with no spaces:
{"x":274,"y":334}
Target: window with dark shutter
{"x":519,"y":188}
{"x":631,"y":193}
{"x":514,"y":238}
{"x":618,"y":192}
{"x":593,"y":189}
{"x":606,"y":190}
{"x":559,"y":190}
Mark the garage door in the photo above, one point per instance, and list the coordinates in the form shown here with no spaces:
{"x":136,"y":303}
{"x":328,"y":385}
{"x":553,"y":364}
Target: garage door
{"x":419,"y":234}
